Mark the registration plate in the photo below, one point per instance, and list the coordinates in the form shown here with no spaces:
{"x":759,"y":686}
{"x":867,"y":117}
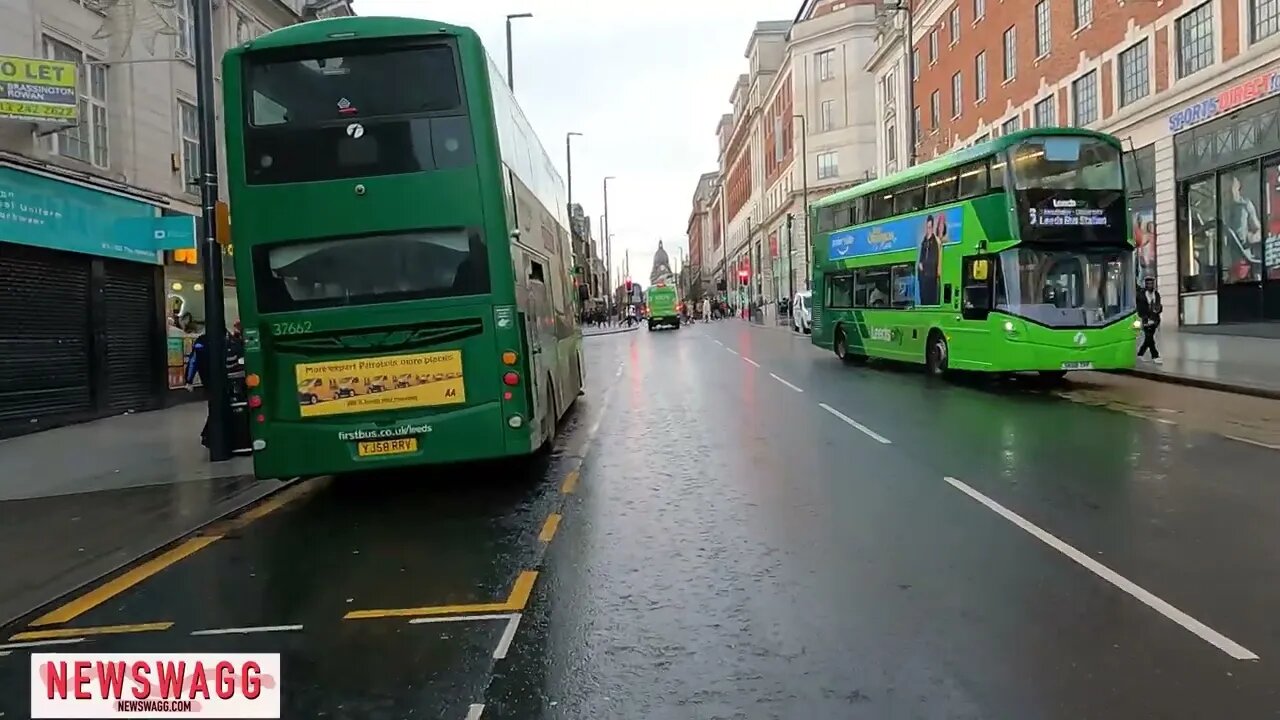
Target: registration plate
{"x":1077,"y":366}
{"x":374,"y":448}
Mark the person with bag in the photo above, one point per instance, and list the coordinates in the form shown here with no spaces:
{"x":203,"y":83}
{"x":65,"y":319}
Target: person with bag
{"x":1149,"y":309}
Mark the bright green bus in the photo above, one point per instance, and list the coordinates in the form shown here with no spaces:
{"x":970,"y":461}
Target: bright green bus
{"x":664,"y":307}
{"x":401,"y":250}
{"x":1012,"y":255}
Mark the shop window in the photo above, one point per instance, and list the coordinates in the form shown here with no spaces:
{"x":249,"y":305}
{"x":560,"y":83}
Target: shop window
{"x":1240,"y":225}
{"x":1198,"y":235}
{"x":1271,"y":201}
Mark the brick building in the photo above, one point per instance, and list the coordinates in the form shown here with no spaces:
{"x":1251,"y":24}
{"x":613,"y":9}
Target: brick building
{"x":699,"y":232}
{"x":1192,"y":88}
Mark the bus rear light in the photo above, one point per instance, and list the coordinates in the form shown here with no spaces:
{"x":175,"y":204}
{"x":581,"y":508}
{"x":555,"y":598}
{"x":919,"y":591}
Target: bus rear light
{"x":262,"y":418}
{"x":506,"y":395}
{"x":255,"y":401}
{"x":508,"y":358}
{"x":252,"y":380}
{"x":511,"y":379}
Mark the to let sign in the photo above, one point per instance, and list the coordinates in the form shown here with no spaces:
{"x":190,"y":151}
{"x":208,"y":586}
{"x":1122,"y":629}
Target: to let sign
{"x":39,"y":91}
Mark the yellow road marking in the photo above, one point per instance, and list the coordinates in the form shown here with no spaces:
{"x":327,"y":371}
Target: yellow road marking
{"x":516,"y":601}
{"x":211,"y":534}
{"x":111,"y":588}
{"x":570,"y":483}
{"x":549,"y":528}
{"x":86,"y":631}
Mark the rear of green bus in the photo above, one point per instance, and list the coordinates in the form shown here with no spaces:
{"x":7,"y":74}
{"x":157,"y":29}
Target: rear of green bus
{"x":372,"y":251}
{"x":664,"y":310}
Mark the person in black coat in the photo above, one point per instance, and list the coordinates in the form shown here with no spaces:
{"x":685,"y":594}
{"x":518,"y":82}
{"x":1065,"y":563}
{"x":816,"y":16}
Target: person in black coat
{"x":1149,"y":309}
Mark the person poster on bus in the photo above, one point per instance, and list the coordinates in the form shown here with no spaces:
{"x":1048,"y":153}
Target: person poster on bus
{"x":929,"y":262}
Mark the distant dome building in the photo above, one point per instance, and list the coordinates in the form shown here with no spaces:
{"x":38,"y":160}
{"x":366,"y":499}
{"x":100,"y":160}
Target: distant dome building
{"x":661,"y":266}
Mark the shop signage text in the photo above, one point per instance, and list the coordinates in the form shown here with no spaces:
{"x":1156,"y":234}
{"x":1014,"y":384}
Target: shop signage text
{"x":40,"y":91}
{"x":41,"y":211}
{"x":1242,"y":93}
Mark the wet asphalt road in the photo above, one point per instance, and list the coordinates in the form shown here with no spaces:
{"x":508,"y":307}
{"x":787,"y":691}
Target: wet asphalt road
{"x":755,"y":531}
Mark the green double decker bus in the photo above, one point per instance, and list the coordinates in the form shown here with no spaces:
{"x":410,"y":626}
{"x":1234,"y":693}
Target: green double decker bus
{"x":401,"y":250}
{"x":1011,"y":255}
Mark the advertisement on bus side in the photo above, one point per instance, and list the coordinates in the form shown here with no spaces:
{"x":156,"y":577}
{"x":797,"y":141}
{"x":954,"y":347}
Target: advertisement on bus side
{"x":389,"y":382}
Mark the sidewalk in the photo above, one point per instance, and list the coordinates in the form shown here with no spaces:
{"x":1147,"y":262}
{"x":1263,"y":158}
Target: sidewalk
{"x":1232,"y":363}
{"x":78,"y":502}
{"x":609,"y":330}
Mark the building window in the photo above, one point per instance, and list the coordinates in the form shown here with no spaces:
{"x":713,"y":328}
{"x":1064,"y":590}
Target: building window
{"x":980,"y":76}
{"x":1043,"y":37}
{"x":87,"y":141}
{"x":984,"y":137}
{"x":890,"y":89}
{"x":828,"y":165}
{"x":933,"y":47}
{"x":979,"y":9}
{"x":915,"y":64}
{"x":1264,"y":18}
{"x":826,"y":118}
{"x":1046,"y":114}
{"x":935,"y":110}
{"x":188,"y":130}
{"x":1084,"y":96}
{"x":1010,"y":126}
{"x":915,"y":126}
{"x":957,"y":94}
{"x":183,"y":38}
{"x":890,"y":143}
{"x":1010,"y":52}
{"x":955,"y":25}
{"x":1084,"y":13}
{"x":1135,"y":74}
{"x":1195,"y":40}
{"x":826,"y":65}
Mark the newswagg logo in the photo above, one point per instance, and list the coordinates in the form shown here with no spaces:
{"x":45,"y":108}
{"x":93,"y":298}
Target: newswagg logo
{"x":396,"y":432}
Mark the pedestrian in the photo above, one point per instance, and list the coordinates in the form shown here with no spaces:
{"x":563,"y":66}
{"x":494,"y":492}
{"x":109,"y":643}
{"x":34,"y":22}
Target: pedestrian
{"x":1149,"y":309}
{"x":706,"y":309}
{"x":198,"y":366}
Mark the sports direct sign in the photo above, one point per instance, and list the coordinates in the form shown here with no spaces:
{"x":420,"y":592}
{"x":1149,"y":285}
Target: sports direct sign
{"x":147,"y":685}
{"x":1250,"y":89}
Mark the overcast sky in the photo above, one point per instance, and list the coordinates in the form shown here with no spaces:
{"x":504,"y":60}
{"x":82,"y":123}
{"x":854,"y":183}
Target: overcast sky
{"x":644,"y":82}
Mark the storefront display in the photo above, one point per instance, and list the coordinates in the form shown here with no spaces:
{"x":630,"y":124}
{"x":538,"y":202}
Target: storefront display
{"x":184,"y":308}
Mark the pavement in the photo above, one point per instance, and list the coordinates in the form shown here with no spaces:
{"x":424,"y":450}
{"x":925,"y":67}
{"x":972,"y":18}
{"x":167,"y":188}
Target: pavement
{"x":594,"y":331}
{"x":79,"y":502}
{"x":1234,"y":363}
{"x":733,"y":524}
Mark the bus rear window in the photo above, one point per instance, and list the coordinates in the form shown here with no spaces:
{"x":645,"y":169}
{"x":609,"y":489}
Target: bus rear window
{"x":340,"y":272}
{"x":318,"y":87}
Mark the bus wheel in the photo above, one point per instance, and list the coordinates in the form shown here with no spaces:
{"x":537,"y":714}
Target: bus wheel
{"x":936,"y":354}
{"x":842,"y":347}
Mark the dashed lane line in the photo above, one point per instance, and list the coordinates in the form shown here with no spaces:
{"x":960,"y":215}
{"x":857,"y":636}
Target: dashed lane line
{"x":570,"y":483}
{"x":735,"y":352}
{"x":247,"y":630}
{"x":1259,"y":443}
{"x":1197,"y":628}
{"x":549,"y":528}
{"x":753,"y":362}
{"x":857,"y":425}
{"x":81,"y":632}
{"x":784,"y":382}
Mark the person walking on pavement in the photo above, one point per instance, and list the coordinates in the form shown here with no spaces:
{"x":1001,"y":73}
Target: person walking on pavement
{"x":198,"y":366}
{"x":1149,"y":308}
{"x":706,"y":309}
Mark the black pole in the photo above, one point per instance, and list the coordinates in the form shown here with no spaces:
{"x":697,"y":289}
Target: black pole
{"x":511,"y":78}
{"x":791,"y":244}
{"x":568,"y":167}
{"x":215,"y":329}
{"x":804,"y":169}
{"x":911,"y":86}
{"x":608,"y":244}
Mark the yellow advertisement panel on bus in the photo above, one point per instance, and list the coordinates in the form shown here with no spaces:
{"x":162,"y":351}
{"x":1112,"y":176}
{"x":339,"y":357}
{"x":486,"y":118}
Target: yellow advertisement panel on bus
{"x":380,"y":383}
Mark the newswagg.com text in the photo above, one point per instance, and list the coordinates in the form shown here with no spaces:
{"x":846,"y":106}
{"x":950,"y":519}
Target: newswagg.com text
{"x":109,"y":685}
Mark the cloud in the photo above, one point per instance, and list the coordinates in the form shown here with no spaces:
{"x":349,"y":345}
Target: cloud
{"x":644,"y":82}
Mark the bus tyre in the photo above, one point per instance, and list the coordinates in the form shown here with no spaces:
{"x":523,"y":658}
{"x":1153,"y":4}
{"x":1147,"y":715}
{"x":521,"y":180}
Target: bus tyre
{"x":936,"y":354}
{"x":842,"y":348}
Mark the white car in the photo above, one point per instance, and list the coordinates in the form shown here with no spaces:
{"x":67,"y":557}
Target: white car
{"x":802,"y":312}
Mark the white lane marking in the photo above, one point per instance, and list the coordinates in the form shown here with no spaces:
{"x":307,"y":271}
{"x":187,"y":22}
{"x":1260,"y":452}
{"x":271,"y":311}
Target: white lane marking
{"x":248,"y":630}
{"x":509,"y":634}
{"x":459,"y":618}
{"x":859,"y":426}
{"x":753,"y":362}
{"x":41,"y":643}
{"x":719,"y":343}
{"x":1259,"y":443}
{"x":1166,"y":421}
{"x":784,"y":382}
{"x":1189,"y":623}
{"x":475,"y":711}
{"x":735,"y":352}
{"x":4,"y":653}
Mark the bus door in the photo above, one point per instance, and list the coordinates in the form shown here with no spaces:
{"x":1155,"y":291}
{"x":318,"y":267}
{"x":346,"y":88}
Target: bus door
{"x":539,"y":325}
{"x":974,"y":301}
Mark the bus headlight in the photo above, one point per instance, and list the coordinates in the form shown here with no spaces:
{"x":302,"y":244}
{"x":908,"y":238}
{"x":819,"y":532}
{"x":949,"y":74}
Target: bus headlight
{"x":1137,"y":324}
{"x":1008,"y":326}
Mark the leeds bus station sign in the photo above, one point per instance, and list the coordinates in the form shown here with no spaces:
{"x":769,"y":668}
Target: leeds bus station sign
{"x":39,"y":91}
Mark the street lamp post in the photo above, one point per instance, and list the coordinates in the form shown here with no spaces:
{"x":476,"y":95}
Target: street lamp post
{"x":511,"y":78}
{"x":214,"y":311}
{"x":904,"y":6}
{"x":608,"y":244}
{"x":568,"y":164}
{"x":804,"y":170}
